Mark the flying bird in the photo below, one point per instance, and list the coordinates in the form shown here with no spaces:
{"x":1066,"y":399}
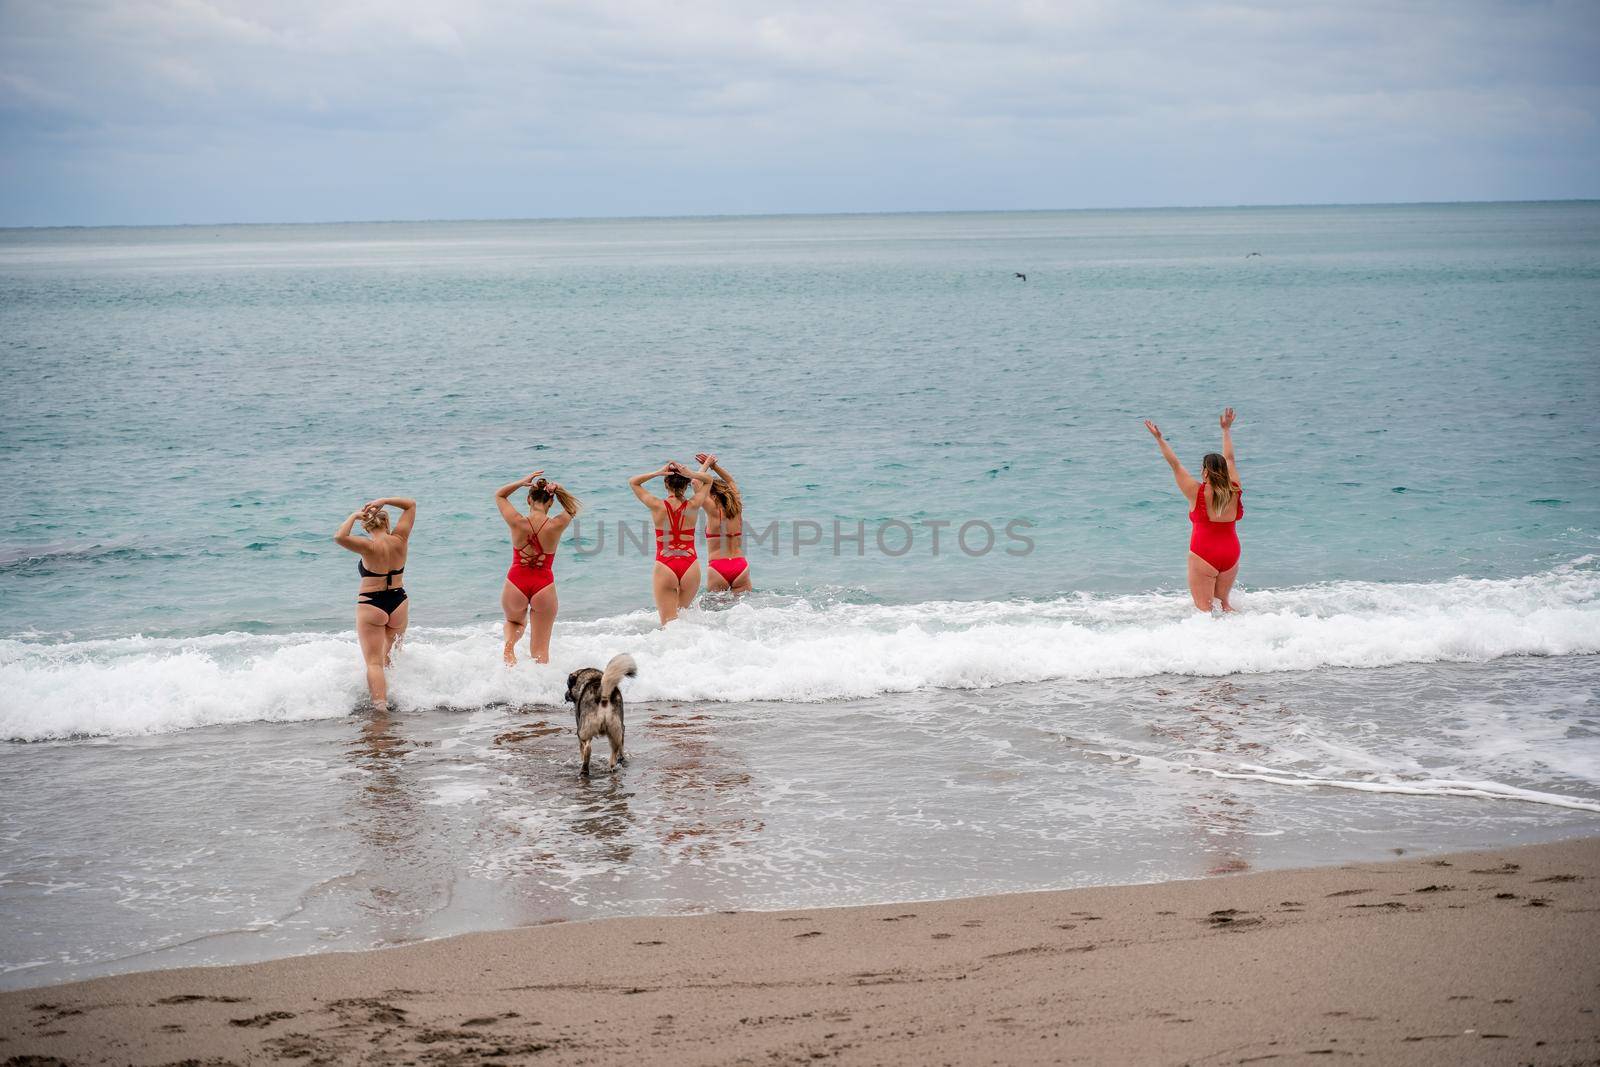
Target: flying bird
{"x":1019,"y":274}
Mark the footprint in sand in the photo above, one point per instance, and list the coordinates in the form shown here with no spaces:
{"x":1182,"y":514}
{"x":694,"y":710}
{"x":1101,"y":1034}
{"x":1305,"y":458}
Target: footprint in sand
{"x":1231,"y":917}
{"x":1559,"y":878}
{"x":1504,"y":868}
{"x":256,"y":1022}
{"x":376,"y":1011}
{"x":54,"y":1012}
{"x":808,"y":933}
{"x":196,"y":998}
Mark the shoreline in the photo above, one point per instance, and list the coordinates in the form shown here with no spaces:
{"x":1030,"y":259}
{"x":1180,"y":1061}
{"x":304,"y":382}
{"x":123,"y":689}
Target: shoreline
{"x":1485,"y":956}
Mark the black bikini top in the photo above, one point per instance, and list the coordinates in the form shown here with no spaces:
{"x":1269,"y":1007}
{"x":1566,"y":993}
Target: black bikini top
{"x":388,"y":578}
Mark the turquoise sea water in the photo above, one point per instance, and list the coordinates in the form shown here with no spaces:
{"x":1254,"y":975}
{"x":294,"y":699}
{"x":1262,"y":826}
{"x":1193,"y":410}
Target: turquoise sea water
{"x":190,"y":412}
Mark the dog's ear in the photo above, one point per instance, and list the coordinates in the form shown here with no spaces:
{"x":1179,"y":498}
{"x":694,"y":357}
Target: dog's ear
{"x":572,"y":698}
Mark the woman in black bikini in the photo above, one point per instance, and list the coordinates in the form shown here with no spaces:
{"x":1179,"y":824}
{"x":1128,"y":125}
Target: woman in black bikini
{"x":381,"y":608}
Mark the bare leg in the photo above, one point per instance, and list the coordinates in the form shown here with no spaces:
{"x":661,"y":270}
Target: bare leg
{"x":515,"y":607}
{"x":371,"y":624}
{"x":1225,"y":582}
{"x":664,"y":587}
{"x":689,"y":585}
{"x":1202,"y":583}
{"x":742,"y":584}
{"x":715,"y":582}
{"x":395,"y":631}
{"x":542,"y":609}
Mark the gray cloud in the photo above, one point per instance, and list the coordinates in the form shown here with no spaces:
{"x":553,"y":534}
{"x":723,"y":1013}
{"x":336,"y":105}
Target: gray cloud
{"x":203,"y":110}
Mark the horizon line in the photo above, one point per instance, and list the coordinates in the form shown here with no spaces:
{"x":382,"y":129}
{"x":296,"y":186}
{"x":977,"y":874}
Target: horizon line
{"x":788,"y":214}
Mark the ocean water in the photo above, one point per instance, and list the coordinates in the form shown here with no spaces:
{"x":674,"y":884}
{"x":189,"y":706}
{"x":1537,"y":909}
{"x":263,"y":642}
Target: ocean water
{"x":190,"y":412}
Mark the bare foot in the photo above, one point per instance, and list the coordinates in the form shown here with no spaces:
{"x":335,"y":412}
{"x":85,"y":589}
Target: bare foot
{"x":1227,"y":608}
{"x":509,"y":654}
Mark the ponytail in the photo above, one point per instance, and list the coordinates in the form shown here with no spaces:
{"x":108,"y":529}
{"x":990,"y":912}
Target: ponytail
{"x":542,"y":490}
{"x":569,"y":503}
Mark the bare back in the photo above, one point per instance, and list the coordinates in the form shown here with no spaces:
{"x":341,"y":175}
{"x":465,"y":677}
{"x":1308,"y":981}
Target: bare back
{"x":382,"y":552}
{"x":724,"y":536}
{"x":540,"y":527}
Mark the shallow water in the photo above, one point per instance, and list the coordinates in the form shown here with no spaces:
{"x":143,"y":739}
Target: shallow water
{"x":190,"y":412}
{"x":247,"y":842}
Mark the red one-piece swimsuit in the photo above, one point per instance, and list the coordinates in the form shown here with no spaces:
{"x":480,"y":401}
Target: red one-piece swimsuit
{"x":675,"y":545}
{"x":532,"y":568}
{"x":1215,"y":540}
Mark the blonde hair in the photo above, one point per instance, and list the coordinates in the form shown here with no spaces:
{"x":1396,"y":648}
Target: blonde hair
{"x":1215,"y":470}
{"x":378,"y":521}
{"x":727,"y":498}
{"x":542,"y":490}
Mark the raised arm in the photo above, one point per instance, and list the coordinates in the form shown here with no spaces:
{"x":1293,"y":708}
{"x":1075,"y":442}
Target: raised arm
{"x":344,"y":537}
{"x":709,"y":462}
{"x":702,"y":486}
{"x":408,"y":512}
{"x":1186,"y":483}
{"x":502,"y":498}
{"x":646,"y":497}
{"x":1227,"y":445}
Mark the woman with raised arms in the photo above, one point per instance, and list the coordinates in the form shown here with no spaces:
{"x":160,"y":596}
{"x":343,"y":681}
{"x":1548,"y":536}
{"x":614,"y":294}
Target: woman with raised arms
{"x":381,"y":607}
{"x":675,"y":577}
{"x":724,"y":531}
{"x":528,"y":596}
{"x":1215,"y":505}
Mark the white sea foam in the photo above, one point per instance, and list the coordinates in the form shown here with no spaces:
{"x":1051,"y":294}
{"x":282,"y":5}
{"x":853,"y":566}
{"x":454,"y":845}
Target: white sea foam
{"x":802,"y":652}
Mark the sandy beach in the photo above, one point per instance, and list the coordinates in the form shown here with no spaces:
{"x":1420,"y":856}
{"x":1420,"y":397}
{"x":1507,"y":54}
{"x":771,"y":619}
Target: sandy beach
{"x":1488,"y":957}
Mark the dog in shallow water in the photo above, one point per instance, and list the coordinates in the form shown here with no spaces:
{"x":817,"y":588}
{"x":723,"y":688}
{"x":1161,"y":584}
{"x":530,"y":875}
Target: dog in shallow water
{"x":596,"y":698}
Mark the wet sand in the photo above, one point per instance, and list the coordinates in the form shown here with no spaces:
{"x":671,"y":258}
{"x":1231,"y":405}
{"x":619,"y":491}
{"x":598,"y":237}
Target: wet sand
{"x":1490,"y":957}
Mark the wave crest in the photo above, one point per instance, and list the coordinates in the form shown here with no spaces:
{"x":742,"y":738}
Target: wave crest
{"x":775,"y":649}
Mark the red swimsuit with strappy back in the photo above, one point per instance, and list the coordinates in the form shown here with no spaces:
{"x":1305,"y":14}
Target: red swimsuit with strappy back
{"x":532,"y":568}
{"x":675,"y":545}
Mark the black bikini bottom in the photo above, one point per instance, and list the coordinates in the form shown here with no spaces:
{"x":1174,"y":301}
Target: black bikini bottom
{"x":385,"y":600}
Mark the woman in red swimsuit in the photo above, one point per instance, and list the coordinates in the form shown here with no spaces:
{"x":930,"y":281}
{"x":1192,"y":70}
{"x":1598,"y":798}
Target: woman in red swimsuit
{"x":676,"y":574}
{"x":1215,"y":505}
{"x":724,"y":532}
{"x":529,"y":591}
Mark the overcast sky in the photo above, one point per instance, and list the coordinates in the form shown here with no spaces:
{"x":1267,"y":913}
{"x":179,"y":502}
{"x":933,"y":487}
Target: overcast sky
{"x":154,"y":111}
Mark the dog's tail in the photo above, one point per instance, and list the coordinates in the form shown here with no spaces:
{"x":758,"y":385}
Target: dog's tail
{"x":620,"y":667}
